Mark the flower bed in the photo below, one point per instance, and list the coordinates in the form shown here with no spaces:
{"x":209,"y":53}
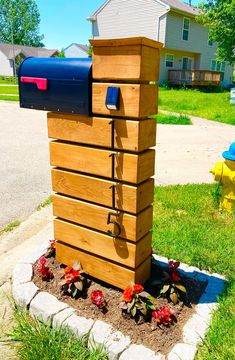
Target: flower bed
{"x":149,"y":316}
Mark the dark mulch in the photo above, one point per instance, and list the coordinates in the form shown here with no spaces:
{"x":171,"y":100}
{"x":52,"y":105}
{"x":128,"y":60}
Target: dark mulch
{"x":158,"y":338}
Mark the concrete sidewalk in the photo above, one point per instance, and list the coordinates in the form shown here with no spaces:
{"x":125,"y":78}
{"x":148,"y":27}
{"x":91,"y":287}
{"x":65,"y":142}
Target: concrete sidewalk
{"x":186,"y":153}
{"x":37,"y":229}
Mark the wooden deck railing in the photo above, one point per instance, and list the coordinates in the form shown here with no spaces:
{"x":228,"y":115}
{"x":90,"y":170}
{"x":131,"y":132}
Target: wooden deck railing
{"x":194,"y":77}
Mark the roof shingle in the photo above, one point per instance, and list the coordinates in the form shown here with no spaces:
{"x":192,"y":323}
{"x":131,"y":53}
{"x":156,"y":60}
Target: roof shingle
{"x":27,"y":51}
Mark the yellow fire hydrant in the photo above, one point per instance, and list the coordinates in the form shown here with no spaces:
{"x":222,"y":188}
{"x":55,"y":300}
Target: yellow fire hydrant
{"x":224,"y":173}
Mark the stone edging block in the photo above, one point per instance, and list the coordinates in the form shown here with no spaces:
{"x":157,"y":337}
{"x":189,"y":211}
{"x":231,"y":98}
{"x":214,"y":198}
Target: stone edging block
{"x":44,"y":306}
{"x":47,"y":308}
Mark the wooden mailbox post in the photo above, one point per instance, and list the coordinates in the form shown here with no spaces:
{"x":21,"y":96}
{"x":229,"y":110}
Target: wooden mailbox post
{"x":103,"y":167}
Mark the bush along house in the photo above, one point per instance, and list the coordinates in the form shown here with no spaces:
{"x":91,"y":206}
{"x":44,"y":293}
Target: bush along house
{"x":188,"y":56}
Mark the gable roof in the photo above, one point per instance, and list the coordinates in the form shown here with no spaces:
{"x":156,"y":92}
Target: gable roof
{"x":181,"y":6}
{"x":170,"y":5}
{"x":85,"y":48}
{"x":9,"y":52}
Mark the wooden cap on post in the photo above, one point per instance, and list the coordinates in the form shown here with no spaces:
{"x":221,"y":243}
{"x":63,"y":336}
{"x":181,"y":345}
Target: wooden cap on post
{"x":131,"y":59}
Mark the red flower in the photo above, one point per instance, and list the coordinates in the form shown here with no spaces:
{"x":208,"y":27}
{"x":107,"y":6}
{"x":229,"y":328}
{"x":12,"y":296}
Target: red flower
{"x":173,"y":264}
{"x":128,"y":294}
{"x":137,"y":288}
{"x":52,"y":244}
{"x":69,"y":278}
{"x":68,"y":269}
{"x":174,"y":275}
{"x":97,"y":298}
{"x":75,"y":273}
{"x":164,"y":315}
{"x":42,"y":260}
{"x":44,"y":270}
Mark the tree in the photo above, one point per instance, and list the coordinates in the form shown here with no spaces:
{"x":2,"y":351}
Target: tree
{"x":19,"y":23}
{"x":219,"y":17}
{"x":89,"y":50}
{"x":61,"y":54}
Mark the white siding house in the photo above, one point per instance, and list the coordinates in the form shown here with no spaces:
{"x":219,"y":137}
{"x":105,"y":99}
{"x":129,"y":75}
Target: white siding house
{"x":6,"y":65}
{"x":9,"y":52}
{"x":171,"y":22}
{"x":76,"y":51}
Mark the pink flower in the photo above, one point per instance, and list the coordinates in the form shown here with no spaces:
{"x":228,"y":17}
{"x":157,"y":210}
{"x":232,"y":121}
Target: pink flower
{"x":97,"y":298}
{"x":164,"y":315}
{"x":42,"y":260}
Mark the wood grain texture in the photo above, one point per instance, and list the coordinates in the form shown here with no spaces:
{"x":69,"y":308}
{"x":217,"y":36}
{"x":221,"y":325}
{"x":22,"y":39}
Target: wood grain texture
{"x":126,"y":63}
{"x":104,"y":270}
{"x":128,"y":198}
{"x":128,"y":134}
{"x":138,"y":40}
{"x":118,"y":250}
{"x":136,"y":100}
{"x":133,"y":168}
{"x":133,"y":227}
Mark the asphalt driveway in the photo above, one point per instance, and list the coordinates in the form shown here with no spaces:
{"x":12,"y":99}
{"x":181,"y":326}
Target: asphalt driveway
{"x":184,"y":154}
{"x":24,"y":158}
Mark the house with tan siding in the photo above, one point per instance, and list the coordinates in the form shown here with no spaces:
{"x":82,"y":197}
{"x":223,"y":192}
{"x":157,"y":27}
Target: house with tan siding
{"x":186,"y":45}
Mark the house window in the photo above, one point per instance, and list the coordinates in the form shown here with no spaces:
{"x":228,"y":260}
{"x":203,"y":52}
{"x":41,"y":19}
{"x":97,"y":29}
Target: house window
{"x":185,"y":34}
{"x":169,"y":60}
{"x":218,"y":66}
{"x":187,"y":63}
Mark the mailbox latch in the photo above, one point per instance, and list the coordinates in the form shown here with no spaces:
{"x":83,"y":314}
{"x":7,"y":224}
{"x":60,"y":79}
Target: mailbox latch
{"x":113,"y":98}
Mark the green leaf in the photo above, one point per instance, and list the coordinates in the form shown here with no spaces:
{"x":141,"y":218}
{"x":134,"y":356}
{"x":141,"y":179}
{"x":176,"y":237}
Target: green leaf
{"x":130,"y":305}
{"x":79,"y":285}
{"x":181,"y":288}
{"x":123,"y":305}
{"x":144,"y":294}
{"x":74,"y":293}
{"x":165,"y":289}
{"x":174,"y":298}
{"x":151,"y":298}
{"x":144,"y":311}
{"x":151,"y":307}
{"x":133,"y":311}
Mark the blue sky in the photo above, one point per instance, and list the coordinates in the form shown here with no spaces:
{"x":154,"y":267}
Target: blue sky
{"x":64,"y":21}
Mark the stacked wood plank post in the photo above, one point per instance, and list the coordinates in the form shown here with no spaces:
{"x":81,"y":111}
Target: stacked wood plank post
{"x":103,"y":166}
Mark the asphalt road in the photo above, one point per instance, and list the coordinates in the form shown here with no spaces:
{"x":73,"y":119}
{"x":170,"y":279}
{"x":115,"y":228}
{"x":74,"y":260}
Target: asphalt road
{"x":184,"y":154}
{"x":24,"y":158}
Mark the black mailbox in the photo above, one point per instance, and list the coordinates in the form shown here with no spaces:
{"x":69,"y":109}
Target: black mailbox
{"x":56,"y":84}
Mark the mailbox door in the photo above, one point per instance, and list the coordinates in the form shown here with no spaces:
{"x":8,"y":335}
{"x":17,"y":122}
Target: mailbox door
{"x":56,"y":84}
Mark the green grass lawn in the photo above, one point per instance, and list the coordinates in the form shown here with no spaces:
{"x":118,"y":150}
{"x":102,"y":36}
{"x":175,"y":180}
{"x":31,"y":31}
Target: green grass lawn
{"x":212,"y":106}
{"x":9,"y":98}
{"x":8,"y":80}
{"x":172,"y":119}
{"x":9,"y":93}
{"x":188,"y":227}
{"x":34,"y":340}
{"x":9,"y":90}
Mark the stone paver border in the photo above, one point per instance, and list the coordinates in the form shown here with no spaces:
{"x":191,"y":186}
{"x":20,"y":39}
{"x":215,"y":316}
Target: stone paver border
{"x":48,"y":309}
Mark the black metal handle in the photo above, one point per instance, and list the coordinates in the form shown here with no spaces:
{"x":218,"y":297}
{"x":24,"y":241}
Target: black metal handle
{"x":109,"y":221}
